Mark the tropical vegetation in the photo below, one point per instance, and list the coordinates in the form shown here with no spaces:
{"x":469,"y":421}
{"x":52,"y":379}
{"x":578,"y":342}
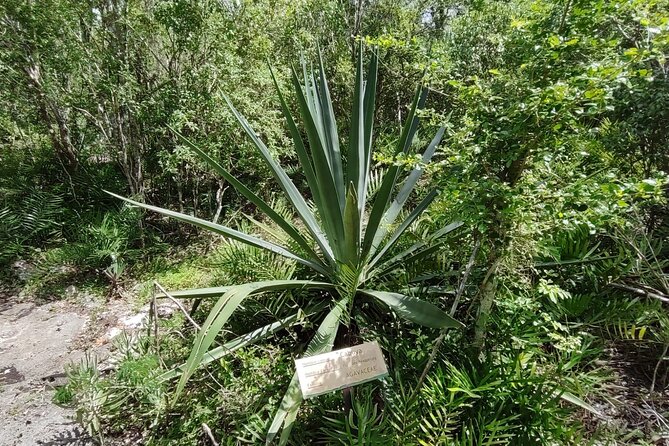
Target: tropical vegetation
{"x":479,"y":186}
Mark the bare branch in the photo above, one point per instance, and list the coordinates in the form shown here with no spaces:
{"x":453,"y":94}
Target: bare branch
{"x":181,"y":307}
{"x":207,"y":431}
{"x":642,"y":290}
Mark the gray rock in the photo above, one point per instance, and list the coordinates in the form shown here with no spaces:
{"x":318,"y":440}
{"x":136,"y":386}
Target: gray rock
{"x":23,"y":269}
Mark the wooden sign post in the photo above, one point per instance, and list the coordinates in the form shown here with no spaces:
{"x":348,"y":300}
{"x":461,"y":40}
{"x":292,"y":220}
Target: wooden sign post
{"x":340,"y":368}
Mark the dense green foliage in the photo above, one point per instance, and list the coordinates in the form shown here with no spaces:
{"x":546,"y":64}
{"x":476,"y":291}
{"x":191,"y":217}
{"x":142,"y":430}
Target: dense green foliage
{"x":349,"y":242}
{"x":554,"y":155}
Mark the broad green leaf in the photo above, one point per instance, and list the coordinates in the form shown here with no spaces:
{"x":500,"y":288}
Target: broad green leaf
{"x":415,"y":310}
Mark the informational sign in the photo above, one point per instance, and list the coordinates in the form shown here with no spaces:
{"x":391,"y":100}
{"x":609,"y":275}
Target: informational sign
{"x":340,"y":368}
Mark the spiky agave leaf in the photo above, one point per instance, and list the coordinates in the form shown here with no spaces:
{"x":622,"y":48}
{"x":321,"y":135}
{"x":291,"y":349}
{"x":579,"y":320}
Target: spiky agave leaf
{"x":322,"y":342}
{"x":231,"y":233}
{"x":336,"y":245}
{"x":222,"y":311}
{"x":244,"y":340}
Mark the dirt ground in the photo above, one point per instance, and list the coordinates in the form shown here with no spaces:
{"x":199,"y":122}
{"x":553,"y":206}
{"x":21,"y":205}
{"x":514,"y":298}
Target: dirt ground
{"x":38,"y":341}
{"x":36,"y":344}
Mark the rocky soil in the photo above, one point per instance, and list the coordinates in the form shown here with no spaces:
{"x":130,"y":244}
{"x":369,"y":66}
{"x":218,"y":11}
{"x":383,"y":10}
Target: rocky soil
{"x":38,"y":342}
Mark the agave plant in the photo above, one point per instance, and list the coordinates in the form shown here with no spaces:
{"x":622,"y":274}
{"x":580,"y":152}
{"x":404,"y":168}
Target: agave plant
{"x":345,"y":240}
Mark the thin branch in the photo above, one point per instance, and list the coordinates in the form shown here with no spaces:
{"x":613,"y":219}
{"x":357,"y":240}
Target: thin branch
{"x":642,"y":290}
{"x":564,"y":16}
{"x":573,"y":262}
{"x":442,"y":335}
{"x":487,"y":300}
{"x":657,"y":366}
{"x":207,"y":431}
{"x":465,"y":277}
{"x":154,"y":311}
{"x":181,"y":307}
{"x":660,"y":276}
{"x":643,"y":258}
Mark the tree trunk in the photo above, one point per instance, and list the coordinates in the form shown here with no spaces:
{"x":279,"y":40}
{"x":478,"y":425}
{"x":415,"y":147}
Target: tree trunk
{"x":54,"y":117}
{"x":487,"y":293}
{"x":499,"y":242}
{"x":219,"y":200}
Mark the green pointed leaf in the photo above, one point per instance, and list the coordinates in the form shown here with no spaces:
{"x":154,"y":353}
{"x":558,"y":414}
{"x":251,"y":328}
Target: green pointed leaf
{"x":198,"y":293}
{"x":305,"y":163}
{"x":404,"y":226}
{"x":384,"y":194}
{"x":229,"y":232}
{"x":415,"y":252}
{"x":369,"y":105}
{"x":351,"y":228}
{"x":293,"y":195}
{"x":273,"y":232}
{"x":408,"y":259}
{"x":321,"y":343}
{"x":286,"y":413}
{"x":253,"y":198}
{"x":407,"y":187}
{"x":218,"y":316}
{"x":415,"y":310}
{"x":330,"y":132}
{"x":316,"y":110}
{"x":332,"y":205}
{"x":229,"y":347}
{"x":357,"y":154}
{"x":248,"y":339}
{"x":573,"y":399}
{"x":222,"y":311}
